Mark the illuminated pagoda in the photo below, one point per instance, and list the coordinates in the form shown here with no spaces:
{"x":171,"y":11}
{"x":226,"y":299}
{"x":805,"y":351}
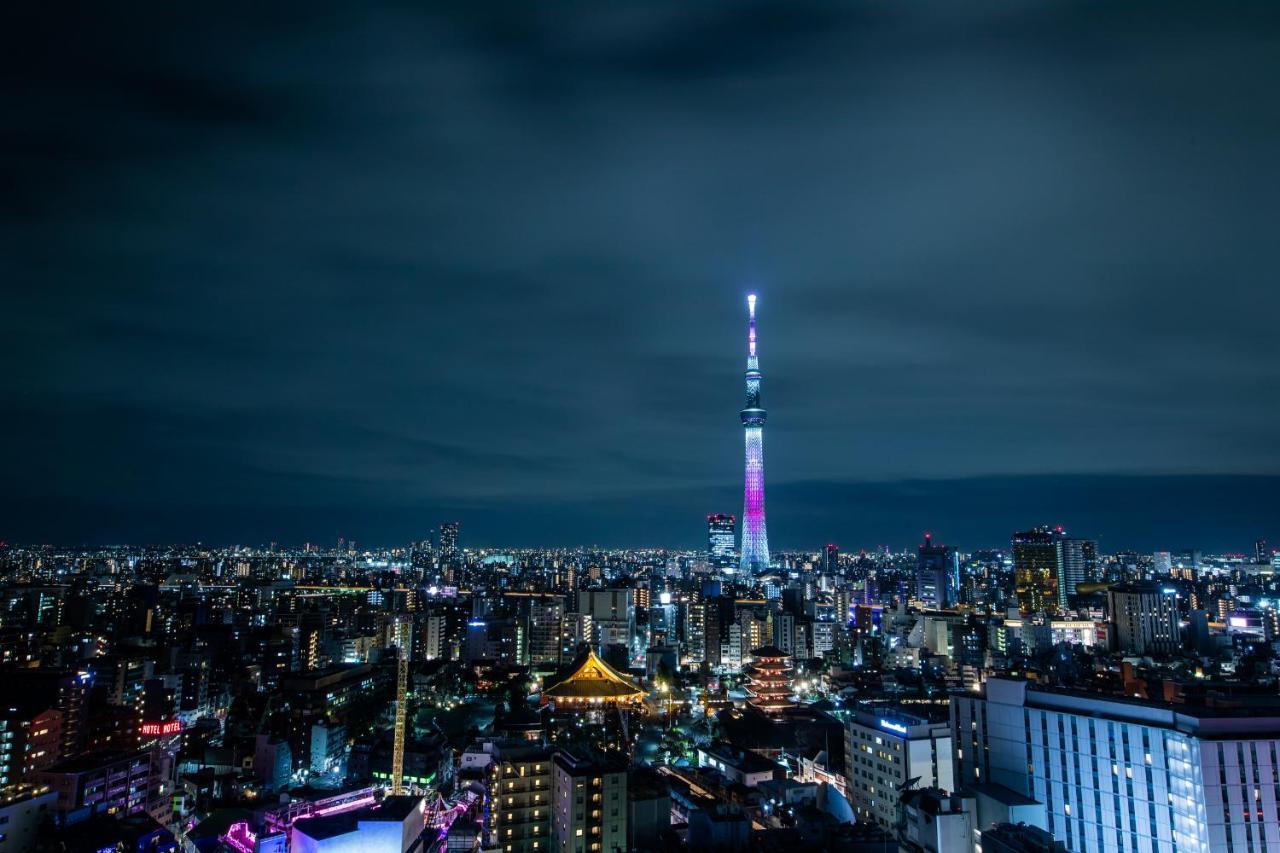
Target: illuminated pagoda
{"x":770,"y":686}
{"x":593,"y":685}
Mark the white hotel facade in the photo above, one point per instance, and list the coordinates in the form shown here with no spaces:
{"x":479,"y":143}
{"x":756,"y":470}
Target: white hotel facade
{"x":1126,"y":776}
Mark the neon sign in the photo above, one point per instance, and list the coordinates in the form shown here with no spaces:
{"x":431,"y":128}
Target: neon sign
{"x":160,"y":729}
{"x":893,"y":727}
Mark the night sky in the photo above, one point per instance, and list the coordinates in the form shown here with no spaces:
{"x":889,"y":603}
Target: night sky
{"x":278,"y":272}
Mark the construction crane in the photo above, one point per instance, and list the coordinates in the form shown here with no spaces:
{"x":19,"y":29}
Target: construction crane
{"x":403,"y":629}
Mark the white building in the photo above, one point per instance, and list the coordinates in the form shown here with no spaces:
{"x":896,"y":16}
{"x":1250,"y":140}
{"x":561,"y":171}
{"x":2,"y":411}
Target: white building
{"x":394,"y":827}
{"x":1126,"y":776}
{"x":433,"y":642}
{"x":934,"y":821}
{"x":885,"y":748}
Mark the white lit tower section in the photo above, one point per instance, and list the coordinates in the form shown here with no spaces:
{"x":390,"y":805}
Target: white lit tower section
{"x":755,"y":541}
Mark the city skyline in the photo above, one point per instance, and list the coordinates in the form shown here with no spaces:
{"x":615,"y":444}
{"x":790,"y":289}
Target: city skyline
{"x":378,"y":477}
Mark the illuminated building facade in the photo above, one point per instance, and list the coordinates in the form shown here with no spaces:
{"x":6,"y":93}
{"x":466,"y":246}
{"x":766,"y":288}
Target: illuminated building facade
{"x":755,"y":539}
{"x":520,"y":799}
{"x":590,"y":801}
{"x":448,"y":539}
{"x":109,"y":782}
{"x":722,"y":551}
{"x":1038,"y":570}
{"x":887,"y":750}
{"x":1124,"y":775}
{"x":1145,"y":617}
{"x":1079,"y":564}
{"x":937,"y":575}
{"x":770,"y":674}
{"x":593,"y":685}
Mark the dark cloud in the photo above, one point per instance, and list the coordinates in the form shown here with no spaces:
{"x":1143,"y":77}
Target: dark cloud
{"x":383,"y":262}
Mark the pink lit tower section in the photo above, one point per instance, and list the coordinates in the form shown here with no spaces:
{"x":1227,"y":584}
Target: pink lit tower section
{"x":755,"y":540}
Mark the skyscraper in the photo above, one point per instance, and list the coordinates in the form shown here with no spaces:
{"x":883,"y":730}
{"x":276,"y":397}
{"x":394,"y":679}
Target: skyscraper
{"x":831,"y":559}
{"x":1079,"y":564}
{"x":755,"y":540}
{"x":449,"y":540}
{"x":1038,"y":570}
{"x":937,"y":574}
{"x":721,"y":540}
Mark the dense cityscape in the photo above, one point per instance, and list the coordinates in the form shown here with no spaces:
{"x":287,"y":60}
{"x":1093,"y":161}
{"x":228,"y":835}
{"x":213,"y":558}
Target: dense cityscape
{"x":1035,"y":695}
{"x":743,"y":425}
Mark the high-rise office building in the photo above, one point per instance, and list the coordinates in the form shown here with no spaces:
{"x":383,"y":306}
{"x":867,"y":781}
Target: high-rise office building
{"x":937,"y":574}
{"x":1145,"y":618}
{"x":1037,"y":567}
{"x":1079,"y":564}
{"x":755,"y":539}
{"x":722,"y":550}
{"x":831,"y":559}
{"x":1261,"y":551}
{"x":1120,"y":775}
{"x":448,"y":546}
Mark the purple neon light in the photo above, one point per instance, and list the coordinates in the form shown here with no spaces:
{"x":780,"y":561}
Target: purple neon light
{"x":339,"y":808}
{"x":240,"y":838}
{"x":755,"y":538}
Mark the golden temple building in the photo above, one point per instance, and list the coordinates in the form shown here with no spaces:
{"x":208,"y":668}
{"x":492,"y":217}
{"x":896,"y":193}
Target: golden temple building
{"x":593,"y":684}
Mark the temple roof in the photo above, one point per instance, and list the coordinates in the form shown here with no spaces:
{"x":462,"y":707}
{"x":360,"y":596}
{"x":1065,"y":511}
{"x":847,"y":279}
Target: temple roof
{"x":769,"y":652}
{"x":591,"y":677}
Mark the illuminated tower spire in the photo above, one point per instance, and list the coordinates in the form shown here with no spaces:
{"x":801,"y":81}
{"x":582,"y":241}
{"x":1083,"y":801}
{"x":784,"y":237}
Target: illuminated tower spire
{"x":755,"y":541}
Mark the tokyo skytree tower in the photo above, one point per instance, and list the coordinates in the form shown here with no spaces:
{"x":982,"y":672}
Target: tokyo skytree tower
{"x":755,"y":540}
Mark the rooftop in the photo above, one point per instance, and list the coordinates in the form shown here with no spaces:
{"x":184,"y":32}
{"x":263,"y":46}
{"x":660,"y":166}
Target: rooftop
{"x":591,"y":678}
{"x":580,"y":761}
{"x":97,"y":761}
{"x":747,"y":762}
{"x":1205,"y":721}
{"x":331,"y":826}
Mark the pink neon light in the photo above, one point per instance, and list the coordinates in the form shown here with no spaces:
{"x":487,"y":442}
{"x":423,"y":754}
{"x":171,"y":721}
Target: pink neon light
{"x":345,"y":807}
{"x":755,"y":540}
{"x":240,"y":837}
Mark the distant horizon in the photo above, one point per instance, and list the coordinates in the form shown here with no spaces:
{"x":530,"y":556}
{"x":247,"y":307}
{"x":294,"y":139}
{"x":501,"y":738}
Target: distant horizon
{"x":1122,"y":512}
